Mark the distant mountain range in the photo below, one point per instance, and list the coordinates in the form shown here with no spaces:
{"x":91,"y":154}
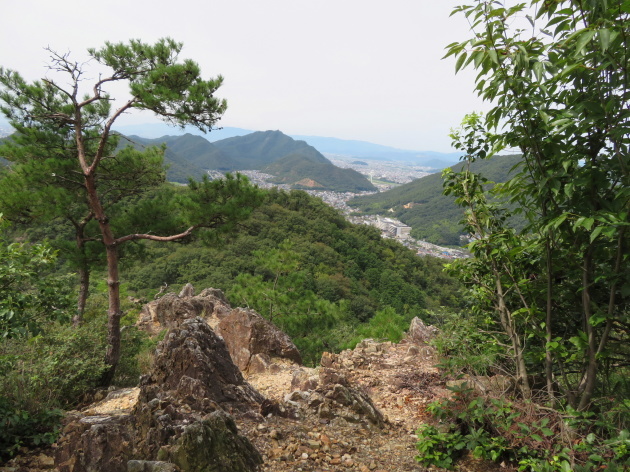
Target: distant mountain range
{"x":292,"y":162}
{"x":343,"y":147}
{"x":420,"y":204}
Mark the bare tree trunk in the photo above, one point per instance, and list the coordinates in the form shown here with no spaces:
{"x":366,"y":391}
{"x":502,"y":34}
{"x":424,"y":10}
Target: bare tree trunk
{"x":114,"y":313}
{"x":587,"y":385}
{"x":508,"y":325}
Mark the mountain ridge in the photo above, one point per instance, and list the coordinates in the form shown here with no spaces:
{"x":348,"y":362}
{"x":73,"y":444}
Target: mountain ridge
{"x":261,"y":150}
{"x":328,"y":145}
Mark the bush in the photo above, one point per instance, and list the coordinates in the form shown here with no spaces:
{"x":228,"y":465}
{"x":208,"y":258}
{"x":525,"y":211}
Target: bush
{"x":136,"y":356}
{"x":464,"y":345}
{"x":522,"y":433}
{"x":39,"y":375}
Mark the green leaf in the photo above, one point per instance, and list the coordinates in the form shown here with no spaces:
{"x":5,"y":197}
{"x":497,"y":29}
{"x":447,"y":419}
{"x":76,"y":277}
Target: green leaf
{"x":583,"y":39}
{"x":604,"y":38}
{"x":538,"y":71}
{"x":596,"y":233}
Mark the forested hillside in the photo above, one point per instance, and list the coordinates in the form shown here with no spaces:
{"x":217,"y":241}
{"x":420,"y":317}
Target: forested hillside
{"x":292,"y":162}
{"x":300,"y":263}
{"x":421,"y":204}
{"x":306,"y":170}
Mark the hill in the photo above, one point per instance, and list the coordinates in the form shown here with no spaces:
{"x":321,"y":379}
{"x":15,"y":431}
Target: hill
{"x":420,"y":204}
{"x":307,"y":170}
{"x":329,"y":145}
{"x":258,"y":150}
{"x":179,"y":167}
{"x":300,"y":263}
{"x":292,"y":162}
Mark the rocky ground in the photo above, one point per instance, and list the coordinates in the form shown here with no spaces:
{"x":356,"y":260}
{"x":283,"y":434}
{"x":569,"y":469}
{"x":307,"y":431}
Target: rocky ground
{"x":356,"y":412}
{"x":400,"y":380}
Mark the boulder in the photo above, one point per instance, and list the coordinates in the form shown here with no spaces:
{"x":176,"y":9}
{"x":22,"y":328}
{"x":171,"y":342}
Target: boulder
{"x":247,"y":334}
{"x":419,"y":333}
{"x":94,"y":443}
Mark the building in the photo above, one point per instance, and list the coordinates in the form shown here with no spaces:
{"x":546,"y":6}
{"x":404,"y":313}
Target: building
{"x":394,"y":228}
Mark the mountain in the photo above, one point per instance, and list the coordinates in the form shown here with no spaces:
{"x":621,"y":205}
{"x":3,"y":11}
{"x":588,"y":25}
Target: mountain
{"x":180,"y":167}
{"x":259,"y":149}
{"x":297,"y":163}
{"x":157,"y":130}
{"x":345,"y":147}
{"x":420,"y":204}
{"x":309,"y":172}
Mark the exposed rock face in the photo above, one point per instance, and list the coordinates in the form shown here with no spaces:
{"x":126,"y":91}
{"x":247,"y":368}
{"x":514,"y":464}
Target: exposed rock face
{"x":94,"y":443}
{"x":193,"y":365}
{"x":171,"y":309}
{"x":179,"y":420}
{"x":420,"y":333}
{"x":251,"y":337}
{"x":253,"y":342}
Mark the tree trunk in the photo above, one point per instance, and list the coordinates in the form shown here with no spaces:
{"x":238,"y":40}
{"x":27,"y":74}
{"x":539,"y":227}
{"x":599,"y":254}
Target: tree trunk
{"x":112,"y":355}
{"x":548,"y":319}
{"x":587,"y":386}
{"x":84,"y":287}
{"x":113,"y":315}
{"x":508,"y":325}
{"x":83,"y":270}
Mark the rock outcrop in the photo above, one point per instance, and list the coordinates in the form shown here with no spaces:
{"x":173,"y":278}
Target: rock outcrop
{"x":420,"y":333}
{"x":180,"y":421}
{"x":171,"y":309}
{"x":356,"y":411}
{"x":253,"y":341}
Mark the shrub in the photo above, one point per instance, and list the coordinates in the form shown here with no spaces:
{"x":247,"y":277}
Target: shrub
{"x":533,"y":438}
{"x":39,"y":375}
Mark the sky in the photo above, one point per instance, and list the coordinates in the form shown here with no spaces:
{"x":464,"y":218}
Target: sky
{"x":350,"y":69}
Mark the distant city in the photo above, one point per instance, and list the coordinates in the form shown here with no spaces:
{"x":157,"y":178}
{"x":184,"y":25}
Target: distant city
{"x":395,"y":172}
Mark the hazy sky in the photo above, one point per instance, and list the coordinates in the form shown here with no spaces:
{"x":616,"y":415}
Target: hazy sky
{"x":352,"y":69}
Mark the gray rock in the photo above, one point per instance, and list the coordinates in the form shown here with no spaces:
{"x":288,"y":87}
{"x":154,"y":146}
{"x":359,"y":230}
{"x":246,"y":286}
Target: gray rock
{"x":151,"y":466}
{"x":246,"y":334}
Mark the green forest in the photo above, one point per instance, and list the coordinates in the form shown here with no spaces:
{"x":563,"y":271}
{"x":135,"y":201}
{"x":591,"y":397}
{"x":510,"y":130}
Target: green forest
{"x":543,"y":305}
{"x":433,"y":216}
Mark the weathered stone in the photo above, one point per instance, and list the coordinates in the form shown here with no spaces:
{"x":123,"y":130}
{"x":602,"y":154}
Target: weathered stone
{"x":151,"y":466}
{"x":214,"y":445}
{"x":331,"y":377}
{"x":246,"y":334}
{"x":420,"y":333}
{"x":192,"y":363}
{"x":171,"y":309}
{"x":304,"y":379}
{"x":187,"y":291}
{"x":178,"y":418}
{"x":95,"y":443}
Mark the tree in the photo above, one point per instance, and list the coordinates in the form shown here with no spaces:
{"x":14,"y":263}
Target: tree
{"x":44,"y":184}
{"x":159,"y":82}
{"x":561,"y":91}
